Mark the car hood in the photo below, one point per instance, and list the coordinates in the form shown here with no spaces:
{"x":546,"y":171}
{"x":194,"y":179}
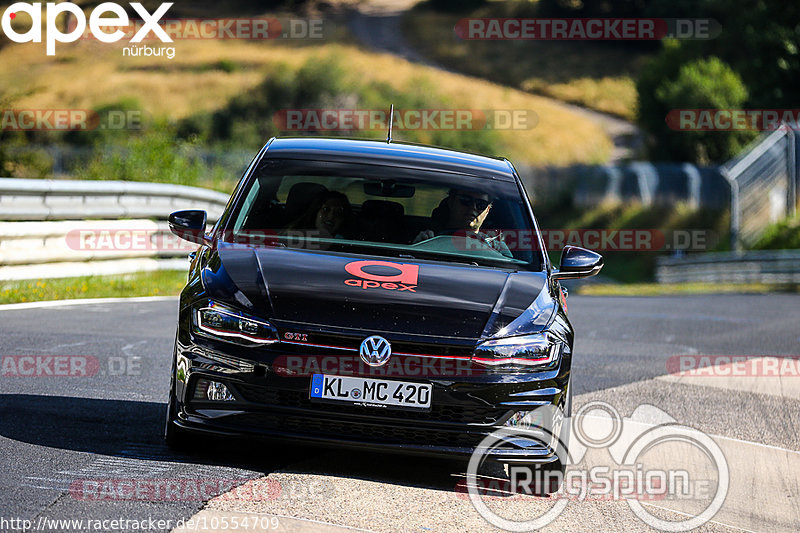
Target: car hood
{"x":374,"y":294}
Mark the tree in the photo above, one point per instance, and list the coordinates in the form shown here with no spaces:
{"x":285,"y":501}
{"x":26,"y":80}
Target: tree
{"x":670,"y":82}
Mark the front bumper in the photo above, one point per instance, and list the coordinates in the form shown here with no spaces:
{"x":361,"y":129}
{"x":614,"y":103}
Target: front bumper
{"x":463,"y":410}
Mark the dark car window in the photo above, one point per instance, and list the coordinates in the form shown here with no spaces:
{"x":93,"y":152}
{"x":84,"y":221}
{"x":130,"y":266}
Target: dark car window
{"x":383,"y":210}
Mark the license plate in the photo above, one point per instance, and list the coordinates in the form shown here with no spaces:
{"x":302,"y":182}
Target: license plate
{"x":371,"y":392}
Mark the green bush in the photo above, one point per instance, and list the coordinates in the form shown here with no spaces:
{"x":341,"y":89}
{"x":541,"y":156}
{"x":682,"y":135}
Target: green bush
{"x":782,"y":235}
{"x":672,"y":81}
{"x":156,"y":156}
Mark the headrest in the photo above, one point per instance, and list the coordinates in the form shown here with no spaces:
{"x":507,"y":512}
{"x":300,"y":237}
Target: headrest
{"x":382,"y":208}
{"x":300,"y":196}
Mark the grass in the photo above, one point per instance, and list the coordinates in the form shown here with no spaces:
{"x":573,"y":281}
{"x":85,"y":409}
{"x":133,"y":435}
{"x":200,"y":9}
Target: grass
{"x":88,"y":75}
{"x":668,"y":289}
{"x":780,"y":236}
{"x":157,"y":283}
{"x":599,"y":76}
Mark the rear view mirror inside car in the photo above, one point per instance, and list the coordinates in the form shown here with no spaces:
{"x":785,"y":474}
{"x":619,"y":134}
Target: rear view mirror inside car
{"x":388,"y":188}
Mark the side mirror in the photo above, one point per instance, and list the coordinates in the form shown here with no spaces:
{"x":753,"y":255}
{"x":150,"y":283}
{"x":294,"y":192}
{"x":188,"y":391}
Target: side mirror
{"x":189,"y":225}
{"x":578,"y":263}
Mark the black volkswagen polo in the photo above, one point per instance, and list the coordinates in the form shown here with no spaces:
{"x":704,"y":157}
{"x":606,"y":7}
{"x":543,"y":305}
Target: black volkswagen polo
{"x":374,"y":294}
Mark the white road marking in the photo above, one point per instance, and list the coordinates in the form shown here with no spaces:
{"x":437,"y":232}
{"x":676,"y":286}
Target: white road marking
{"x":128,"y":349}
{"x":647,"y":504}
{"x":86,"y":301}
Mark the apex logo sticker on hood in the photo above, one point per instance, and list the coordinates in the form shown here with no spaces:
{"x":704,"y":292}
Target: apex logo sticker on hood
{"x":383,"y":275}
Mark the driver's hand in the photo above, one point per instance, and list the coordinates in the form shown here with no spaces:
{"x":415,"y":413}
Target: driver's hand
{"x":423,"y":235}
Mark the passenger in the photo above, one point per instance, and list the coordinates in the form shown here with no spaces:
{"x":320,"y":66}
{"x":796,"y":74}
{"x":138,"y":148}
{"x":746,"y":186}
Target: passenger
{"x":327,"y":217}
{"x":463,"y":212}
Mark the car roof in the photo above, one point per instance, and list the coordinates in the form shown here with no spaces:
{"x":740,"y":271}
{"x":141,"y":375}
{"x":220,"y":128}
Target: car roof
{"x":395,"y":154}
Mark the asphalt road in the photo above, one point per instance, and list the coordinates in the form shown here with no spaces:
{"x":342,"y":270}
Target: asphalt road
{"x":62,"y":437}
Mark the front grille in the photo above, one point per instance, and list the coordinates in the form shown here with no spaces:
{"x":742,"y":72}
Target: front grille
{"x":475,"y":414}
{"x":379,"y":433}
{"x":320,"y":343}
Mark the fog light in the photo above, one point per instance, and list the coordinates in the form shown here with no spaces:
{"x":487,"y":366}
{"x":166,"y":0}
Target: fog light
{"x":212,"y":390}
{"x":531,"y":429}
{"x":219,"y":392}
{"x":521,"y":420}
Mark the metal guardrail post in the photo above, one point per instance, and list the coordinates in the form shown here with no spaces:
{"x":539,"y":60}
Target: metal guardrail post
{"x":792,"y":157}
{"x":693,"y":184}
{"x":735,"y":209}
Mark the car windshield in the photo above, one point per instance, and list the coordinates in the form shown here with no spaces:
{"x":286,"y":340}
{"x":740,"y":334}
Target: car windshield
{"x":385,"y":210}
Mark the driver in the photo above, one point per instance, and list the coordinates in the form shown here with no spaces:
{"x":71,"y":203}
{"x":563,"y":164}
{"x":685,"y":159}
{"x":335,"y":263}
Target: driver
{"x":463,"y":212}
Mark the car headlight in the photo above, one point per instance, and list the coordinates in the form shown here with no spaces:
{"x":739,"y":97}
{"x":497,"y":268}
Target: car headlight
{"x":223,"y":323}
{"x":522,"y":353}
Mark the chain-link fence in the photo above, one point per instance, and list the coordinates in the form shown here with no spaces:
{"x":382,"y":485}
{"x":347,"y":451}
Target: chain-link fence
{"x":763,"y":184}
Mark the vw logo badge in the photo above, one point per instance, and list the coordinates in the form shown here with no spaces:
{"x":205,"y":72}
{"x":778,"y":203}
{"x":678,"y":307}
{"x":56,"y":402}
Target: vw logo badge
{"x":375,"y":350}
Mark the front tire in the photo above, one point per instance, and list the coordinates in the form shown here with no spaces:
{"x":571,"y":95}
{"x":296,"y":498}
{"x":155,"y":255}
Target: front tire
{"x":176,"y":438}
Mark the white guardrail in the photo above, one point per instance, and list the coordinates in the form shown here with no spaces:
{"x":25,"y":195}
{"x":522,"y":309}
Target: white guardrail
{"x":762,"y":266}
{"x":64,"y":228}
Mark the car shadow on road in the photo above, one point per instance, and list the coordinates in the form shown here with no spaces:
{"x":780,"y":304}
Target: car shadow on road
{"x":121,"y":428}
{"x":432,"y":473}
{"x":133,"y":430}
